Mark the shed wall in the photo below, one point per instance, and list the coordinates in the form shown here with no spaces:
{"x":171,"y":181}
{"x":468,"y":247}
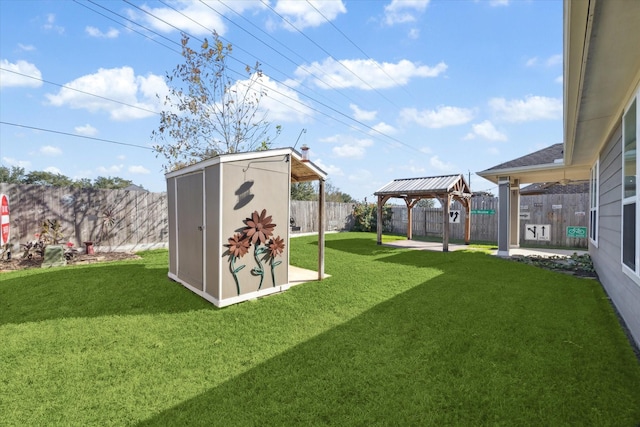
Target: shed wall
{"x":622,"y":290}
{"x":251,"y":186}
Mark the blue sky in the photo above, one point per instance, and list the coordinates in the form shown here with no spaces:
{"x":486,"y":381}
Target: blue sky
{"x":406,"y":88}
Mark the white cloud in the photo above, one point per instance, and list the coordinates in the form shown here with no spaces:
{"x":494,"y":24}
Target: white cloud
{"x":414,"y":33}
{"x":53,"y":169}
{"x":50,"y":25}
{"x":191,"y":16}
{"x":362,"y":176}
{"x":281,"y":104}
{"x":528,"y":109}
{"x":362,"y":115}
{"x":329,"y":169}
{"x":441,"y":166}
{"x":121,"y":157}
{"x":554,"y":60}
{"x":559,"y":79}
{"x":493,"y":151}
{"x":551,"y":61}
{"x":365,"y":74}
{"x":426,"y":150}
{"x":49,"y":150}
{"x":26,"y":47}
{"x":137,"y":169}
{"x":441,"y":117}
{"x":11,"y":79}
{"x":354,"y":149}
{"x":120,"y":84}
{"x":487,"y":131}
{"x":496,"y":3}
{"x":18,"y":163}
{"x":383,"y":128}
{"x":303,"y":14}
{"x":111,"y":33}
{"x":86,"y":130}
{"x":401,"y":11}
{"x":113,"y":169}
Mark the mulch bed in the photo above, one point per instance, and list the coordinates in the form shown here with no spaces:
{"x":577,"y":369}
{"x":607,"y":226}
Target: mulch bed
{"x":20,"y":263}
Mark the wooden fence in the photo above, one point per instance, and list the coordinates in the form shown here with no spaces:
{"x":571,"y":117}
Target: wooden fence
{"x":140,"y":218}
{"x":115,"y":219}
{"x":558,"y":211}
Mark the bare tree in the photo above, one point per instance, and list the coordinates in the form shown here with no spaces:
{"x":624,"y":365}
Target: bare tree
{"x":208,"y":113}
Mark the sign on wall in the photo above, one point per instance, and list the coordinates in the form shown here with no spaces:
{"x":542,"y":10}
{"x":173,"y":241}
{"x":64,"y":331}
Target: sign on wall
{"x":5,"y":226}
{"x":577,"y":232}
{"x":537,"y":232}
{"x":454,"y":217}
{"x":483,"y":211}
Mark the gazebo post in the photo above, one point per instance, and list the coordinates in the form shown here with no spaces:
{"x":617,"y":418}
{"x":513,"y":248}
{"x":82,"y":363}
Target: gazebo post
{"x":467,"y":221}
{"x":445,"y":223}
{"x":381,"y":201}
{"x":407,"y":201}
{"x":321,"y":228}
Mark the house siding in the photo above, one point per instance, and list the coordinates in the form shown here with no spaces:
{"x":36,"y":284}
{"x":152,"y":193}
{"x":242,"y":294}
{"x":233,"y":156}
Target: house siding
{"x":623,"y":291}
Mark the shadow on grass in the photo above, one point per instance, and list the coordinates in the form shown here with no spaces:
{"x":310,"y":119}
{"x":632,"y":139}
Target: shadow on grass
{"x":429,"y":357}
{"x":362,"y":246}
{"x":91,"y":291}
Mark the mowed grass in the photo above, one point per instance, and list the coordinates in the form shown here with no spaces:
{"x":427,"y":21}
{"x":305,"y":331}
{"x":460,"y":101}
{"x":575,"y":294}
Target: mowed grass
{"x":394,"y":337}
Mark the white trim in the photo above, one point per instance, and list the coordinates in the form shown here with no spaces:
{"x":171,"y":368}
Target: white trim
{"x":232,"y":300}
{"x":594,"y":186}
{"x":221,"y":237}
{"x":204,"y":231}
{"x":635,"y":199}
{"x":175,"y":216}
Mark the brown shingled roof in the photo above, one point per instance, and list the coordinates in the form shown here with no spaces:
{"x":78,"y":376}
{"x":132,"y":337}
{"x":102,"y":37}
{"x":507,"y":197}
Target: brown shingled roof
{"x":541,"y":157}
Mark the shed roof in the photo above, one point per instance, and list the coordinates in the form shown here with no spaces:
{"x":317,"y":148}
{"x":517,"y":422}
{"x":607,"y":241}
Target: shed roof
{"x":300,"y":170}
{"x":425,"y":186}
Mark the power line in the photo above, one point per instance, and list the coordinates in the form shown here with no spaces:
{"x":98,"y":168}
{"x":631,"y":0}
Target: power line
{"x":358,"y":47}
{"x":328,"y":53}
{"x":284,"y":84}
{"x":76,"y":136}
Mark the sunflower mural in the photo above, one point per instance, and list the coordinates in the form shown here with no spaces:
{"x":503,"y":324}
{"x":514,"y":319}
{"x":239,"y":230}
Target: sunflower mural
{"x":266,"y":247}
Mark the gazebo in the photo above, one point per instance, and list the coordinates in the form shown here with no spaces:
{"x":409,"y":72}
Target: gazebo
{"x":445,"y":188}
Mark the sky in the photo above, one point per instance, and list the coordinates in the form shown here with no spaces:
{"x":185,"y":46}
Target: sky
{"x":378,"y":90}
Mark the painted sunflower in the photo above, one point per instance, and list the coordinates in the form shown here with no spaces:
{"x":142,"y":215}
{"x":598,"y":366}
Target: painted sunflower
{"x":238,"y":245}
{"x":259,"y":227}
{"x":276,"y":246}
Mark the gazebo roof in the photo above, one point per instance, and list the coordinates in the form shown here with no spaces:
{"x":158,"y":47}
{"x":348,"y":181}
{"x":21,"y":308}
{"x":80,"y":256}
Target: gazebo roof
{"x":430,"y":186}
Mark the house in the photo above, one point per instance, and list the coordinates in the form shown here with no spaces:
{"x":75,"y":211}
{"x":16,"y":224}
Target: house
{"x":601,"y":116}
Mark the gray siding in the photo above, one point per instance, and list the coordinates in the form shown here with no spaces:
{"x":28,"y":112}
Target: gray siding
{"x":622,"y":290}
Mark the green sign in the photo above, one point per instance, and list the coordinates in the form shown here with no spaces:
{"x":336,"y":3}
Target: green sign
{"x":483,"y":211}
{"x":577,"y":232}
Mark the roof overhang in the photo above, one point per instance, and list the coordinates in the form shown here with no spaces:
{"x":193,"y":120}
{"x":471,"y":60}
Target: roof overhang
{"x":601,"y":72}
{"x":554,"y":172}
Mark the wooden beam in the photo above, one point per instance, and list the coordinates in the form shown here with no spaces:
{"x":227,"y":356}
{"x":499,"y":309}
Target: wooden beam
{"x":445,"y":223}
{"x":409,"y":202}
{"x":467,"y":221}
{"x":321,"y":228}
{"x":381,"y":201}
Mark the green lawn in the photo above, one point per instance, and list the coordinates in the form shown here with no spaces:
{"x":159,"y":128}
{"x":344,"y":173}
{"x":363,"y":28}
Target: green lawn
{"x":394,"y":337}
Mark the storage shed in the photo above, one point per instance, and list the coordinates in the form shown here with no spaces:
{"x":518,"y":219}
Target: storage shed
{"x":229,"y":223}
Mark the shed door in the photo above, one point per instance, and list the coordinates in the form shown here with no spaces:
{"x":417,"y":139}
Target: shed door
{"x":189,"y":198}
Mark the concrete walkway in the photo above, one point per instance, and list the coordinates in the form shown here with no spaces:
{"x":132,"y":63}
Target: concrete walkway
{"x":437,"y":247}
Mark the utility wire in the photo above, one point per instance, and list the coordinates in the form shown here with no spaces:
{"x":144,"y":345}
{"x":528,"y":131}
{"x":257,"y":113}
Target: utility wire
{"x":359,"y":49}
{"x":328,"y":53}
{"x":291,"y":88}
{"x":76,"y":136}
